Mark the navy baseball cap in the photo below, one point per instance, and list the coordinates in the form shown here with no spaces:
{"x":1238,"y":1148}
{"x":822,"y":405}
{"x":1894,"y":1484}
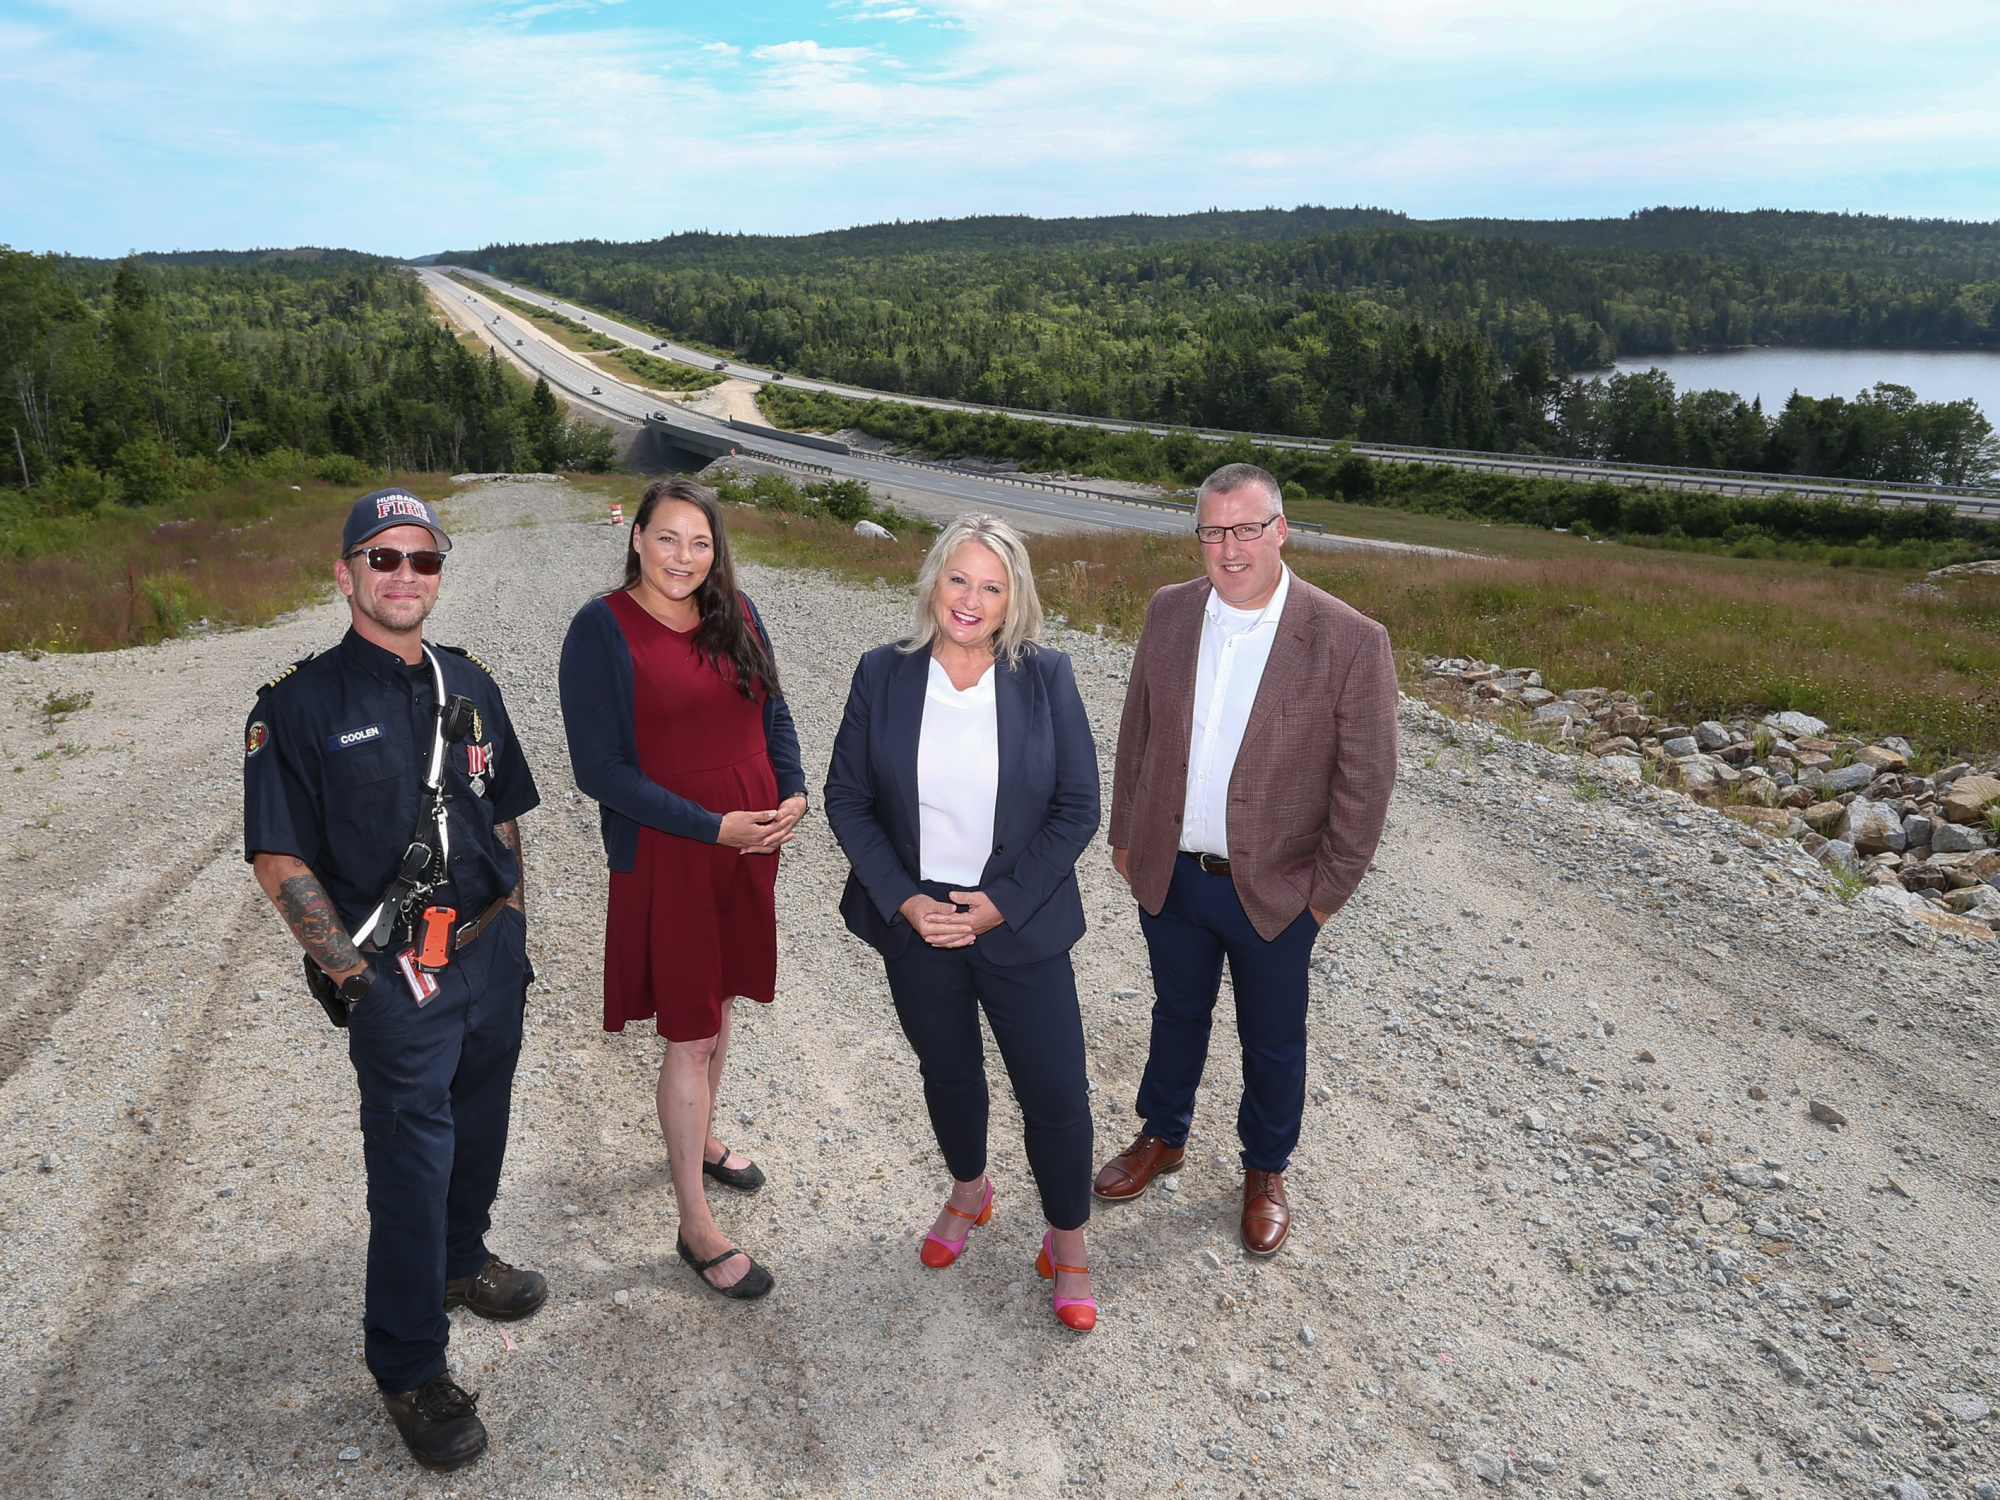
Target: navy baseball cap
{"x":378,"y":510}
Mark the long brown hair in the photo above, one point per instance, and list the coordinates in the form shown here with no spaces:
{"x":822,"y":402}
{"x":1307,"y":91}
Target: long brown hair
{"x":725,"y":633}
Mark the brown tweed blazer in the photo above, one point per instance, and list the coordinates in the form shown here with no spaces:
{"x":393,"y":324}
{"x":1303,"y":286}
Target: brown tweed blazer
{"x":1311,"y":785}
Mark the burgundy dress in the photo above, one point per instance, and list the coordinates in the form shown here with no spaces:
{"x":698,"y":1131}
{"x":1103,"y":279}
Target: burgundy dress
{"x":691,"y":924}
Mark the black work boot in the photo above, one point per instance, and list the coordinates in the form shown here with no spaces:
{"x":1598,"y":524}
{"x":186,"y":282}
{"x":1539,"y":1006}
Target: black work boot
{"x":439,"y":1421}
{"x":497,"y":1290}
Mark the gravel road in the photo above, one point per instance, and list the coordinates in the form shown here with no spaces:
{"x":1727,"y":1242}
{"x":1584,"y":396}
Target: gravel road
{"x":1565,"y":1224}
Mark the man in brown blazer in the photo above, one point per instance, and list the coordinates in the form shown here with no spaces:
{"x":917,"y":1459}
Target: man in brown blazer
{"x":1256,"y":756}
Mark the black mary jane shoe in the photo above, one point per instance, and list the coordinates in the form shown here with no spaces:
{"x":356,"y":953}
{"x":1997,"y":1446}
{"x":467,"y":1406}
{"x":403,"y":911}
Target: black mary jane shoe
{"x":743,"y":1179}
{"x":748,"y":1287}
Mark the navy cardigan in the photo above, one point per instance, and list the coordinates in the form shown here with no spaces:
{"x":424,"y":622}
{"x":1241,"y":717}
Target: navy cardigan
{"x":1044,"y":816}
{"x":595,"y":679}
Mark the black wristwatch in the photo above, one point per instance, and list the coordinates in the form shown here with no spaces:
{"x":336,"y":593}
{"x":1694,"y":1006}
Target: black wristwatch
{"x":355,"y":987}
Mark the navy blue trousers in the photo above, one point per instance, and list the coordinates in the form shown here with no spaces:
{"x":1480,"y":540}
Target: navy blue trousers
{"x":436,"y":1087}
{"x":1032,"y":1009}
{"x":1201,"y":923}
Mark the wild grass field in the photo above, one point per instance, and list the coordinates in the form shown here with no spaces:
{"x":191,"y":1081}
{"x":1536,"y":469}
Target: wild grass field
{"x":1870,"y":650}
{"x":1874,"y":651}
{"x":126,"y":576}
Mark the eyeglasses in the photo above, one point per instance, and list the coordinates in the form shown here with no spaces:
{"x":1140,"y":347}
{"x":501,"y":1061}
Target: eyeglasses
{"x":1248,"y":531}
{"x":388,"y":559}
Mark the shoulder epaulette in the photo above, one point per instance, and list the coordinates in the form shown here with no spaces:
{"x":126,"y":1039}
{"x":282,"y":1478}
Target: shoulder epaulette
{"x":461,"y":651}
{"x":287,"y":672}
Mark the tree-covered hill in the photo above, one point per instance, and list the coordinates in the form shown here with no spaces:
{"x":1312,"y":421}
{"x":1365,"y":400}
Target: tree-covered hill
{"x":136,"y":381}
{"x":1952,"y":249}
{"x":1384,"y":330}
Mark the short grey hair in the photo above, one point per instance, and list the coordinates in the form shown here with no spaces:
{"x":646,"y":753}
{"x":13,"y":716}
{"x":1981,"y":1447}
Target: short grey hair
{"x":1023,"y":624}
{"x":1232,"y":477}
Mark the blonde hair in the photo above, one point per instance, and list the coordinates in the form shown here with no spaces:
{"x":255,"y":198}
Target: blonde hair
{"x":1023,"y":624}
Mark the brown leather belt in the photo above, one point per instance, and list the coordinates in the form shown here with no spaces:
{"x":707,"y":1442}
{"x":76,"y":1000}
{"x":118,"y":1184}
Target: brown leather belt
{"x":468,"y":932}
{"x":1211,"y":864}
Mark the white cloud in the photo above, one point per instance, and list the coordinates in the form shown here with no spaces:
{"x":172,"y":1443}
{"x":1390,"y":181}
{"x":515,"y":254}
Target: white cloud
{"x":373,"y":123}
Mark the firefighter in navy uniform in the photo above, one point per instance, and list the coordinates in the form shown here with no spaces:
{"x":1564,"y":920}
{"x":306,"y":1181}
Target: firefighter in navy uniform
{"x":382,"y":783}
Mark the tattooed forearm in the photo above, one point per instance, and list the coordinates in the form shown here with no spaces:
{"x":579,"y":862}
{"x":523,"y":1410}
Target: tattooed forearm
{"x":509,"y":833}
{"x":303,"y":903}
{"x":308,"y":911}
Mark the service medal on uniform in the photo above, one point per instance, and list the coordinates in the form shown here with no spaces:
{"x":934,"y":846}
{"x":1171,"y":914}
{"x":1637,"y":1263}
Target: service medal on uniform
{"x":387,"y":773}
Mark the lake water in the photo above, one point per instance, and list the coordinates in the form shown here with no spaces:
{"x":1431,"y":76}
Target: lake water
{"x":1934,"y":374}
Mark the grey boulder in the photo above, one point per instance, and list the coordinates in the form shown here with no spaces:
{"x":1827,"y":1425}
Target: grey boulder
{"x":1955,"y":838}
{"x":1872,"y":828}
{"x":1795,"y":725}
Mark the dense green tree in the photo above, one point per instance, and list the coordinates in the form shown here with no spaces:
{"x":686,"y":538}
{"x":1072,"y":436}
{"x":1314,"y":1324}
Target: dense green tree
{"x":145,"y":372}
{"x":1356,"y":324}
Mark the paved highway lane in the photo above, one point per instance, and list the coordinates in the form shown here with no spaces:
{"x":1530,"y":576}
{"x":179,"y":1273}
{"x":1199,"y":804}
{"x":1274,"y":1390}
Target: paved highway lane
{"x":925,"y":490}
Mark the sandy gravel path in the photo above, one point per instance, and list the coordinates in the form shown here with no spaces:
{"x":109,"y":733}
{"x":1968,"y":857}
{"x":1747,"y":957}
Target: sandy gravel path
{"x":1527,"y":1256}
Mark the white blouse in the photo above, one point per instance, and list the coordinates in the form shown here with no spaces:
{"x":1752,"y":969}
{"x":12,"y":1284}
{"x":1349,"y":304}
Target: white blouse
{"x":958,"y":779}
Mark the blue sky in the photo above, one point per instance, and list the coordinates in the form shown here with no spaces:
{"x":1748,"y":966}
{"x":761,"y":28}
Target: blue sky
{"x":409,"y":127}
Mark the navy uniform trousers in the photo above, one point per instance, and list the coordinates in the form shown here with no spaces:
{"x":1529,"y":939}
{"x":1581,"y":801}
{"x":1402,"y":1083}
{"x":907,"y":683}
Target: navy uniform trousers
{"x":1201,"y":923}
{"x":436,"y":1086}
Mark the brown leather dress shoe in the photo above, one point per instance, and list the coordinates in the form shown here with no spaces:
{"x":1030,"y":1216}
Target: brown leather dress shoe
{"x":1128,"y":1174}
{"x":498,"y":1291}
{"x":1267,"y":1218}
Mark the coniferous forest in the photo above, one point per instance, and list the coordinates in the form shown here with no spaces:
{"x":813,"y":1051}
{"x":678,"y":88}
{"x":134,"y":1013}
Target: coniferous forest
{"x":140,"y":381}
{"x":1349,"y":323}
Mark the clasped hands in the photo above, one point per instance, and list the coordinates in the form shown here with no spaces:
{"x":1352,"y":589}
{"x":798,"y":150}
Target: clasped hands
{"x":943,"y":925}
{"x":762,"y":832}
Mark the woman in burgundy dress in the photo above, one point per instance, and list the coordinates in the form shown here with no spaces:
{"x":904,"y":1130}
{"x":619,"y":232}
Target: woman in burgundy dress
{"x":676,"y":728}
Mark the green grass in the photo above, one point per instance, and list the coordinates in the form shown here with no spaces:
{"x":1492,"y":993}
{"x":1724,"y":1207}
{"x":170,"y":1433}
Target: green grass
{"x":660,"y":374}
{"x":1393,"y":500}
{"x":1486,"y":537}
{"x":1709,"y":637}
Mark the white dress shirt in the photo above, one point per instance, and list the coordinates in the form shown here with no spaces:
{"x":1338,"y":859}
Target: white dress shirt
{"x":958,"y":779}
{"x":1235,"y":644}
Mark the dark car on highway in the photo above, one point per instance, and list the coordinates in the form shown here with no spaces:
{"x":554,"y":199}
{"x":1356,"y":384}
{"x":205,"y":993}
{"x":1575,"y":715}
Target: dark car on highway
{"x":720,"y":365}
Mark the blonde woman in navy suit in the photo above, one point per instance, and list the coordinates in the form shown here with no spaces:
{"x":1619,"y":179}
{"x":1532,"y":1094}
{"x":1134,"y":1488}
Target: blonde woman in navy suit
{"x":963,"y":788}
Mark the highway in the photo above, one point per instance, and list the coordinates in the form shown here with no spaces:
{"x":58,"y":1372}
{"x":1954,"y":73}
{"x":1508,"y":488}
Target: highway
{"x":1983,"y":502}
{"x":922,"y":488}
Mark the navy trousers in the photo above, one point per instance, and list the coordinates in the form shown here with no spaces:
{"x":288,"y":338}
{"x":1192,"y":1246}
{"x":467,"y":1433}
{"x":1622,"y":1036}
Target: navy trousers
{"x":1032,"y":1009}
{"x":1200,"y":924}
{"x":436,"y":1087}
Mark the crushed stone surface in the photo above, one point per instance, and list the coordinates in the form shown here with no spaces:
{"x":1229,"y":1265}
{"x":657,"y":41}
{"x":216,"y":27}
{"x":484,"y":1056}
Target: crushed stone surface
{"x":1566,"y":1222}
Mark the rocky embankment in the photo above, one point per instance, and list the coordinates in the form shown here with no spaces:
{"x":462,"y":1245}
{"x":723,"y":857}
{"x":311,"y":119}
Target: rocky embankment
{"x":1925,"y":843}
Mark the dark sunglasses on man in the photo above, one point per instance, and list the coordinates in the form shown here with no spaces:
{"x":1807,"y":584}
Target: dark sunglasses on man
{"x":388,"y":559}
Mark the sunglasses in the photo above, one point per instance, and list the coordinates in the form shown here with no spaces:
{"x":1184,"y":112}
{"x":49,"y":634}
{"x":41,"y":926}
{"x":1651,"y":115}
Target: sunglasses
{"x":388,"y":559}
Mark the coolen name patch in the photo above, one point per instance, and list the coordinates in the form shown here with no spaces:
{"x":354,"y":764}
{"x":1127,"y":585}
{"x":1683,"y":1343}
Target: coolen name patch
{"x":347,"y":739}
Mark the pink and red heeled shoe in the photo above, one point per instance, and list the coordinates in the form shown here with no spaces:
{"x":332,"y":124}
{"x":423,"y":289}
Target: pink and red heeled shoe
{"x":1079,"y":1313}
{"x":939,"y":1253}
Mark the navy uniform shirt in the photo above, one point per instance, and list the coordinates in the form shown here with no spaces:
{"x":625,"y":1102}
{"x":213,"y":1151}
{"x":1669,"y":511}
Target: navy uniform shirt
{"x":334,"y":756}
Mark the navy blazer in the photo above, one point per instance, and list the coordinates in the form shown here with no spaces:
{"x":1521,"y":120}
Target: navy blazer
{"x":595,"y":680}
{"x":1044,"y":816}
